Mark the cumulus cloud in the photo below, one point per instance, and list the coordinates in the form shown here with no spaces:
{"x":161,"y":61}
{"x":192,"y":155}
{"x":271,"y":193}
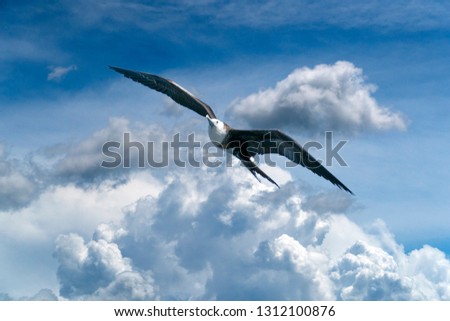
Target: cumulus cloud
{"x":368,"y":273}
{"x":97,"y":269}
{"x":432,"y":281}
{"x":58,"y":72}
{"x":83,"y":162}
{"x":17,"y":188}
{"x":41,"y":295}
{"x":211,"y":235}
{"x":302,"y":270}
{"x":207,"y":233}
{"x":323,"y":98}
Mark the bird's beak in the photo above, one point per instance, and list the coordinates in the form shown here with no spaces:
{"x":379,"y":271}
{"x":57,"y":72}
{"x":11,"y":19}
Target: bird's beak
{"x":209,"y":120}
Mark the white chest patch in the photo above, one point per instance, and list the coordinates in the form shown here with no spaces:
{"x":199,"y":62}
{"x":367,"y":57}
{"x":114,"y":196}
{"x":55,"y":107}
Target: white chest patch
{"x":217,"y":131}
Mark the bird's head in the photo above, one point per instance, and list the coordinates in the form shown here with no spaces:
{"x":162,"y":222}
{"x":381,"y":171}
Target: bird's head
{"x":217,"y":130}
{"x":217,"y":124}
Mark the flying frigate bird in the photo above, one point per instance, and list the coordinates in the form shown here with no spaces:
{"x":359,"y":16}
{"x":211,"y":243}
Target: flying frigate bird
{"x":244,"y":144}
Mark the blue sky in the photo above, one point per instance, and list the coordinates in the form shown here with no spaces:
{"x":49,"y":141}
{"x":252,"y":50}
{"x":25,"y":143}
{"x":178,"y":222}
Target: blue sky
{"x":60,"y":102}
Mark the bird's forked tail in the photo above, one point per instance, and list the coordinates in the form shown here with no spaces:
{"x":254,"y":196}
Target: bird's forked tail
{"x":254,"y":169}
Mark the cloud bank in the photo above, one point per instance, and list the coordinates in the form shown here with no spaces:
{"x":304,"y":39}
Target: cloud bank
{"x":208,"y":233}
{"x":214,"y":235}
{"x":323,"y":98}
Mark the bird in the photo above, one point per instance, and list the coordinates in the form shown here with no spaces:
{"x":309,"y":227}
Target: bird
{"x":243,"y":144}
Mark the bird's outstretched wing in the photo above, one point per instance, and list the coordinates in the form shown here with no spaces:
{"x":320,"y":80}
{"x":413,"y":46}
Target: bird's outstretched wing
{"x":170,"y":88}
{"x":252,"y":142}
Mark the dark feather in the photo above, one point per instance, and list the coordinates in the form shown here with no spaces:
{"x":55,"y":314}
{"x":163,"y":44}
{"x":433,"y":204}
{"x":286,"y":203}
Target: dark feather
{"x":170,"y":88}
{"x":252,"y":142}
{"x":252,"y":166}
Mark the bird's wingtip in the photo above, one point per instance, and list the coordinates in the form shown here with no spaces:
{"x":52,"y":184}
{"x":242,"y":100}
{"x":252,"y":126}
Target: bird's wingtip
{"x":127,"y":73}
{"x":348,"y":190}
{"x":115,"y":68}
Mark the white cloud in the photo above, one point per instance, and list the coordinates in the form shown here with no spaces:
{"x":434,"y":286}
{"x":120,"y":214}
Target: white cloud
{"x":23,"y":49}
{"x":127,"y":286}
{"x":367,"y":272}
{"x":43,"y":295}
{"x":323,"y":98}
{"x":207,"y":233}
{"x":431,"y":272}
{"x":70,"y":207}
{"x":98,"y":270}
{"x":17,"y":189}
{"x":29,"y":233}
{"x":400,"y":15}
{"x":83,"y":162}
{"x":306,"y":266}
{"x":403,"y":15}
{"x":58,"y":72}
{"x":244,"y":240}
